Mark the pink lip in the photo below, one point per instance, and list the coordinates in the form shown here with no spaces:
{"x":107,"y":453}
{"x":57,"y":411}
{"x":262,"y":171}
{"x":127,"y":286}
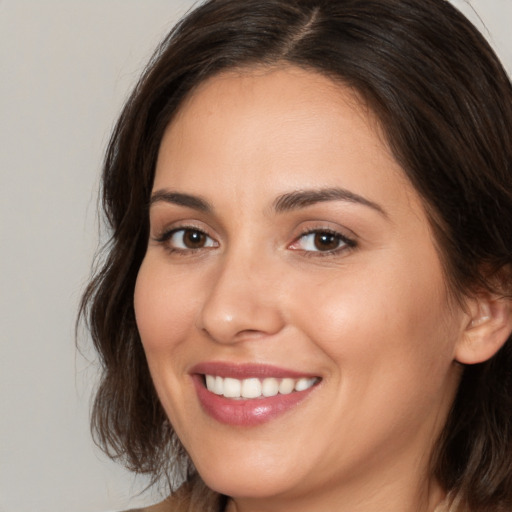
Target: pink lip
{"x":247,"y":371}
{"x":246,"y":412}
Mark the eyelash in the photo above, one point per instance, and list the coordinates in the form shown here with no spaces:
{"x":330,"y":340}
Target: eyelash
{"x":347,"y":243}
{"x":165,"y":237}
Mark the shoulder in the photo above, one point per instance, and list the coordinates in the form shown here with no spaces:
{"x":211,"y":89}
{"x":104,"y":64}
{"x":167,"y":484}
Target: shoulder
{"x":164,"y":506}
{"x":173,"y":503}
{"x":192,"y":496}
{"x":452,"y":503}
{"x":168,"y":505}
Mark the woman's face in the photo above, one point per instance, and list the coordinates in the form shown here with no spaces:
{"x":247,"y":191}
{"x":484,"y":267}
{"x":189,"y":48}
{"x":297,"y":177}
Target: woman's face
{"x":288,"y":251}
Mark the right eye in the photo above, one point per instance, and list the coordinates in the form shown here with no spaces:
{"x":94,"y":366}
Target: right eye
{"x":186,"y":239}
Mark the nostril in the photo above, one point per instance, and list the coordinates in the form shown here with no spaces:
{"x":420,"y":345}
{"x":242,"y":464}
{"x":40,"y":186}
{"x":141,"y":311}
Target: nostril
{"x":248,"y":334}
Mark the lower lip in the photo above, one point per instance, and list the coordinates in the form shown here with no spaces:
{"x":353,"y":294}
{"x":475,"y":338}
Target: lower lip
{"x":246,"y":413}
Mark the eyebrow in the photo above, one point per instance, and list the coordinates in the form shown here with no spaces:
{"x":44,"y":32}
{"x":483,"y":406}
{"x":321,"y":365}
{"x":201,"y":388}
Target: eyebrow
{"x":286,"y":202}
{"x":303,"y":198}
{"x":180,"y":199}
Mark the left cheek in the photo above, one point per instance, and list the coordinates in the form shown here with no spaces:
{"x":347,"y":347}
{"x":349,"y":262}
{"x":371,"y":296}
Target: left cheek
{"x":358,"y":321}
{"x":387,"y":357}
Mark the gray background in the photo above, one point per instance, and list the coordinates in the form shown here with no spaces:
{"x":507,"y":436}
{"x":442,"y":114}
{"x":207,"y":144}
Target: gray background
{"x":65,"y":69}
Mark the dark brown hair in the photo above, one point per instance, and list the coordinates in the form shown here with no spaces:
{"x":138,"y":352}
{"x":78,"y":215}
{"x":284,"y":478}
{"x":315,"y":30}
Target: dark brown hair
{"x":445,"y":105}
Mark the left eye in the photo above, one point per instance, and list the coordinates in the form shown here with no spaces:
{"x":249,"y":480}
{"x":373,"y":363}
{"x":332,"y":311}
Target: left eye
{"x":187,"y":238}
{"x":320,"y":241}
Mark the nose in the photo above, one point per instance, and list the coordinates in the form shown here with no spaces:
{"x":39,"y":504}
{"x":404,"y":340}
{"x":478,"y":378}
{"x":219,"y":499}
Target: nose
{"x":242,"y":301}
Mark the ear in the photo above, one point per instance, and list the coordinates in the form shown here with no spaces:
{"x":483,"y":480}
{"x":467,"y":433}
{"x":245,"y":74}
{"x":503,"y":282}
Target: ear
{"x":488,"y":328}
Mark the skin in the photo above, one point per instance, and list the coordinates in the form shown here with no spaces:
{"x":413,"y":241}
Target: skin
{"x":373,"y":319}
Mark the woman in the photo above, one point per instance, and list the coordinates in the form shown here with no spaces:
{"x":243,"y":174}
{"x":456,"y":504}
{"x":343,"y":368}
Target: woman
{"x":306,"y":303}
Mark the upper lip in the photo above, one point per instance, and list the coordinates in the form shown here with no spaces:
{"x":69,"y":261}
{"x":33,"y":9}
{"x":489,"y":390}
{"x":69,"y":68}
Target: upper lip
{"x":247,"y":370}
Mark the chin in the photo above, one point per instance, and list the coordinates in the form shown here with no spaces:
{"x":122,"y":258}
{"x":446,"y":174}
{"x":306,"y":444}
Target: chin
{"x":249,"y":484}
{"x":252,"y":476}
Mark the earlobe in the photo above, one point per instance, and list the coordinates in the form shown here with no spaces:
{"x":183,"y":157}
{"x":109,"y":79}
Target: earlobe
{"x":489,"y":327}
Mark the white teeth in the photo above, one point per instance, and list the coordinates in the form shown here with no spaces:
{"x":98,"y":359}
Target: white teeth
{"x":232,"y":388}
{"x":251,"y":388}
{"x":303,"y":384}
{"x":218,"y":388}
{"x":255,"y":388}
{"x":286,"y":386}
{"x":270,"y":387}
{"x":210,"y":382}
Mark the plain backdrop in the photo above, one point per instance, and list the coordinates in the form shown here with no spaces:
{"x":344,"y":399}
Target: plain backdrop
{"x":66,"y":67}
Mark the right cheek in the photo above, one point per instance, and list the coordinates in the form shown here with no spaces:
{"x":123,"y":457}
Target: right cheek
{"x":162,"y":313}
{"x":148,"y":302}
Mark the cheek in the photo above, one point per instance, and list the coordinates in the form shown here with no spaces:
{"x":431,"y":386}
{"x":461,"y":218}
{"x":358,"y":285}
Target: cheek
{"x":163,"y":309}
{"x":164,"y":316}
{"x":391,"y":348}
{"x":394,"y":319}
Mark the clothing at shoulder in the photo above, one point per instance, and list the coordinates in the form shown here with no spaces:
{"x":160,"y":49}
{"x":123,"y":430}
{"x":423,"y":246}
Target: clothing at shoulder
{"x":452,"y":503}
{"x":192,"y":496}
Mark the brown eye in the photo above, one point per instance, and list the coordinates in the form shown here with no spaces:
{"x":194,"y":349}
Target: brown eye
{"x":318,"y":241}
{"x":193,"y":239}
{"x":190,"y":239}
{"x":326,"y":241}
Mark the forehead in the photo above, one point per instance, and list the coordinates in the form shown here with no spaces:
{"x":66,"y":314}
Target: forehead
{"x":281,"y":93}
{"x":279,"y":128}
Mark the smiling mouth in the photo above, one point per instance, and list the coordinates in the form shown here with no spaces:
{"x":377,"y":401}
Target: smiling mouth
{"x":248,"y":395}
{"x":255,"y":388}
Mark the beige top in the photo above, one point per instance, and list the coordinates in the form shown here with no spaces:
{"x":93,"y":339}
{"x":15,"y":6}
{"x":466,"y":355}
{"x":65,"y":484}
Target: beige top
{"x":194,"y":496}
{"x":450,"y":504}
